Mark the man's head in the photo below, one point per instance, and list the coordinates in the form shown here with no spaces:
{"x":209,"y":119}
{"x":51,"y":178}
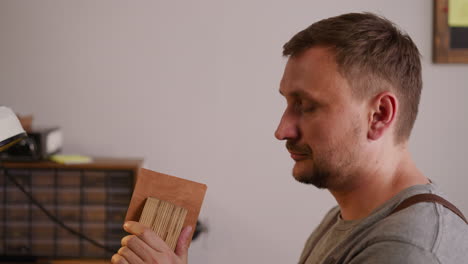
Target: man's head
{"x":350,"y":82}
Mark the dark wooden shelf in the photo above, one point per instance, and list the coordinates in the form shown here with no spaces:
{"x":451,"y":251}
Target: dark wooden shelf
{"x":64,"y":190}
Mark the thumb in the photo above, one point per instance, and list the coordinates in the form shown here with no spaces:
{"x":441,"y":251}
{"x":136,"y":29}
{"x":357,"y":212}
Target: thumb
{"x":182,"y":244}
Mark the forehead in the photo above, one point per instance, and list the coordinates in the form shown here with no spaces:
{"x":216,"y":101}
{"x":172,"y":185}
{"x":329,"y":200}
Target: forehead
{"x":313,"y":73}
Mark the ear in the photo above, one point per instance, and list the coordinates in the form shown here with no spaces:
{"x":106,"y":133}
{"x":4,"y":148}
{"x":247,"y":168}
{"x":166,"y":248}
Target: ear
{"x":382,"y":114}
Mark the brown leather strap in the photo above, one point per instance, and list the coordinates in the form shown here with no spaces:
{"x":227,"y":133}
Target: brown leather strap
{"x":428,"y":197}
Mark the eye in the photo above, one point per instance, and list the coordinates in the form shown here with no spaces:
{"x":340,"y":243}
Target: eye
{"x":307,"y":108}
{"x":297,"y":105}
{"x":304,"y":107}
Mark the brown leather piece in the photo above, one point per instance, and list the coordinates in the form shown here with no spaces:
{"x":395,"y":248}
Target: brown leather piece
{"x":180,"y":192}
{"x":428,"y":197}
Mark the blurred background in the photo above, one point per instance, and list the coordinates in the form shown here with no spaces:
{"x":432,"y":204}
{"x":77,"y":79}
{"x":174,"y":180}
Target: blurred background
{"x":192,"y":87}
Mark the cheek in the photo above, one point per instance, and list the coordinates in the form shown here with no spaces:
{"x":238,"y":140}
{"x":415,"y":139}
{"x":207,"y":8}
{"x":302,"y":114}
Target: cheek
{"x":317,"y":132}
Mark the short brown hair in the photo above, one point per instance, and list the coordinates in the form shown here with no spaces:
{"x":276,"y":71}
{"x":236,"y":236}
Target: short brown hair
{"x":373,"y":55}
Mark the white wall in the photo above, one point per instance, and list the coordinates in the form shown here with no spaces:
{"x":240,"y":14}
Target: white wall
{"x":191,"y":86}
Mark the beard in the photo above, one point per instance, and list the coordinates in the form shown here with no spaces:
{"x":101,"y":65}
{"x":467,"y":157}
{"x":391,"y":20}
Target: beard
{"x":320,"y":176}
{"x":331,"y":167}
{"x":315,"y":171}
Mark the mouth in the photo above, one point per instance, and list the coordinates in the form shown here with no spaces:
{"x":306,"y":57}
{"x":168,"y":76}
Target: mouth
{"x":298,"y":151}
{"x":297,"y":156}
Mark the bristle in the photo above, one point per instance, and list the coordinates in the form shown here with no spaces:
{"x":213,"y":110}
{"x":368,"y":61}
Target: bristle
{"x":149,"y":211}
{"x":164,"y":218}
{"x":177,"y":227}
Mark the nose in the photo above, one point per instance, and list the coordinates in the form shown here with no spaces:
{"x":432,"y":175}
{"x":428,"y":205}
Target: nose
{"x":287,"y":128}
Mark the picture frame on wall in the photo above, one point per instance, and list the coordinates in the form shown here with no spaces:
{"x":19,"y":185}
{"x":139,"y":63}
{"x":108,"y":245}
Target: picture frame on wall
{"x":450,"y":31}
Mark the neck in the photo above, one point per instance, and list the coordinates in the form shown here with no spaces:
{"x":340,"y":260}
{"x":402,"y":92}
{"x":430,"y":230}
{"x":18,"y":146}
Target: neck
{"x":377,"y":187}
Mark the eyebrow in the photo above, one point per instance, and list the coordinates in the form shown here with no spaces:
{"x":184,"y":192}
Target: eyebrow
{"x":296,"y":94}
{"x":302,"y":95}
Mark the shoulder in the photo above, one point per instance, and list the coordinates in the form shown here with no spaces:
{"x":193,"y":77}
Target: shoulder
{"x":418,"y":224}
{"x":424,"y":229}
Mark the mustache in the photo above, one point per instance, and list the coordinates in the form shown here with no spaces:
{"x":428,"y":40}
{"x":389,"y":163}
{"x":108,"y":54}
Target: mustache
{"x":302,"y":149}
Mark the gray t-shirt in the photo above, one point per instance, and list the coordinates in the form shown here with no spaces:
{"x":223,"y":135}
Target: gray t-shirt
{"x":423,"y":233}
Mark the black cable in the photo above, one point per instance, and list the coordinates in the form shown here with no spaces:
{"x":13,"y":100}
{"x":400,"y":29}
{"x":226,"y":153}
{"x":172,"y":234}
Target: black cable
{"x":54,"y":218}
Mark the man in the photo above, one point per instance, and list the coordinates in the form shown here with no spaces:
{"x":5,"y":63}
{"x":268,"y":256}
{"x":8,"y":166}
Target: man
{"x":352,"y":85}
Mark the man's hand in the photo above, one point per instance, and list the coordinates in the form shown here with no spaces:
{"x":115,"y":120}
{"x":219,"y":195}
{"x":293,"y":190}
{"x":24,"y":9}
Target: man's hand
{"x":144,"y":246}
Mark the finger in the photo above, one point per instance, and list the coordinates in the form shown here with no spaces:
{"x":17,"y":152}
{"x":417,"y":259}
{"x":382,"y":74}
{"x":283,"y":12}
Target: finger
{"x":124,"y":240}
{"x":147,"y":235}
{"x":133,"y":227}
{"x":117,"y":259}
{"x":182,"y":242}
{"x":138,"y":246}
{"x":129,"y":255}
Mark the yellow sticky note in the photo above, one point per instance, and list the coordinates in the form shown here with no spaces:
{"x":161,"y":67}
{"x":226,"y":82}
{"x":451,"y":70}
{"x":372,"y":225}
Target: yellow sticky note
{"x":71,"y":159}
{"x":458,"y":13}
